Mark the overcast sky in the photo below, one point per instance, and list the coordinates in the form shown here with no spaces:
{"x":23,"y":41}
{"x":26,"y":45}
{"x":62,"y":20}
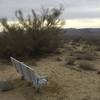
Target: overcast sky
{"x":78,"y":10}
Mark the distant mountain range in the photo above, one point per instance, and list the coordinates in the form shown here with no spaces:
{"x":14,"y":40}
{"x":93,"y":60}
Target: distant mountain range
{"x":85,"y":33}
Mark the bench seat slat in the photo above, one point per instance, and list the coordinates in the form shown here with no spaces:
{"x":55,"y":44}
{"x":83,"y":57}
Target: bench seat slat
{"x":29,"y":74}
{"x":26,"y":73}
{"x":17,"y":66}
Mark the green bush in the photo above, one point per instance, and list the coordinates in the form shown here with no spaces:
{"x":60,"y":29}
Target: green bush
{"x":32,"y":35}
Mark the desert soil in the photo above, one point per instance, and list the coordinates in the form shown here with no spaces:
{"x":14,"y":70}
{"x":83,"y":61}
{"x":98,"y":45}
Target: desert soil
{"x":64,"y":83}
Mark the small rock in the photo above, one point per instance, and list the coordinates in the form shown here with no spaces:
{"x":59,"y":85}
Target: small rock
{"x":5,"y":85}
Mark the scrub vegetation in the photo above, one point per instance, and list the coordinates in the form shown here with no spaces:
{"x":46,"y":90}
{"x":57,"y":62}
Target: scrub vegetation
{"x":32,"y":35}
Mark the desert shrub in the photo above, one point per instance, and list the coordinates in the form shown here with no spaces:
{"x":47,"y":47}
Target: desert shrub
{"x":78,"y":56}
{"x":89,"y":56}
{"x":70,"y":60}
{"x":85,"y":56}
{"x":58,"y":59}
{"x":83,"y":47}
{"x":84,"y":51}
{"x":32,"y":35}
{"x":85,"y":65}
{"x":97,"y":48}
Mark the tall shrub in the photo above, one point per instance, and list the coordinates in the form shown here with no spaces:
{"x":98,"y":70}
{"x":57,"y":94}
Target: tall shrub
{"x":35,"y":34}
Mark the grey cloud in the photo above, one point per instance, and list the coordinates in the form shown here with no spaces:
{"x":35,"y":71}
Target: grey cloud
{"x":73,"y":8}
{"x":81,"y":3}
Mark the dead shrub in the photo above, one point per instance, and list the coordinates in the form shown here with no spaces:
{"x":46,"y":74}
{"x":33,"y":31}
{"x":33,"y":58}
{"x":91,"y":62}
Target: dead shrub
{"x":78,"y":56}
{"x":85,"y":56}
{"x":70,"y":60}
{"x":58,"y":59}
{"x":89,"y":56}
{"x":97,"y":48}
{"x":85,"y":65}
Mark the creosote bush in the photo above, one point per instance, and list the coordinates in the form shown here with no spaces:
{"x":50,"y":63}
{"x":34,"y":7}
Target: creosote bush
{"x":32,"y":35}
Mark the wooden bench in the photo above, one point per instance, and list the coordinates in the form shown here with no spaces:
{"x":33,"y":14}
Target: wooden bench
{"x":29,"y":74}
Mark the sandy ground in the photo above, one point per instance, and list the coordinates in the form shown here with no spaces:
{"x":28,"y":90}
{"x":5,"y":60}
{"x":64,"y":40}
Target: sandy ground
{"x":64,"y":83}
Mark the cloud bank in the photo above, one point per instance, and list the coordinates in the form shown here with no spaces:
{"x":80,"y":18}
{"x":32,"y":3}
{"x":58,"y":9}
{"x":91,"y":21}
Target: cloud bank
{"x":73,"y":9}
